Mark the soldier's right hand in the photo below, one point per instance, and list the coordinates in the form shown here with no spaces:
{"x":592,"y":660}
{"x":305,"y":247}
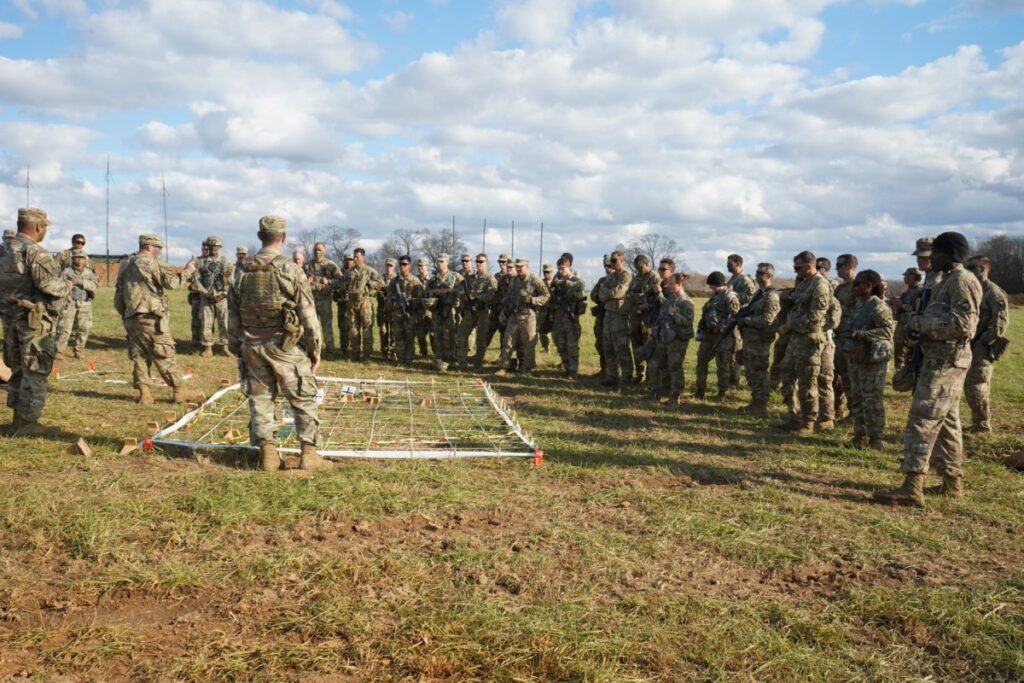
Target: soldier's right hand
{"x":314,"y":359}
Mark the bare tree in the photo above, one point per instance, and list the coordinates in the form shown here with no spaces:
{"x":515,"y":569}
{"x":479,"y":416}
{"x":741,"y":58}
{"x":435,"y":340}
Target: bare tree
{"x":339,"y":240}
{"x":305,"y":239}
{"x":655,"y":247}
{"x":433,"y":244}
{"x":1007,"y":256}
{"x":399,"y":243}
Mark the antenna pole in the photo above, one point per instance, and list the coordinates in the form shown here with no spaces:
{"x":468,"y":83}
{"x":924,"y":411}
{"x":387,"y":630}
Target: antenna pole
{"x":108,"y":219}
{"x":483,"y":240}
{"x":540,"y":263}
{"x":167,"y":244}
{"x":513,"y":239}
{"x":28,"y":185}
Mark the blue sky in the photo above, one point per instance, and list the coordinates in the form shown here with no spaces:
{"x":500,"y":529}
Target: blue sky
{"x":760,"y":128}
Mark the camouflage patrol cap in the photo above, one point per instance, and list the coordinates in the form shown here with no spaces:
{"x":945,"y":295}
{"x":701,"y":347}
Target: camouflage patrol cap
{"x":8,"y":234}
{"x":716,"y":279}
{"x":422,"y":262}
{"x":31,"y":215}
{"x":242,"y":251}
{"x":78,"y":253}
{"x":924,"y":247}
{"x":547,"y":267}
{"x":442,"y":257}
{"x":467,"y":257}
{"x":504,"y":258}
{"x":272,"y":224}
{"x":913,"y":272}
{"x":389,"y":262}
{"x":522,"y":262}
{"x":347,"y":256}
{"x":149,"y":239}
{"x":213,"y":241}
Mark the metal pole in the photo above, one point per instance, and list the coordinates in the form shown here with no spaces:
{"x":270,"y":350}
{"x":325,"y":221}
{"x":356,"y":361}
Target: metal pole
{"x":454,"y":255}
{"x":108,"y":219}
{"x":28,"y":185}
{"x":513,"y":239}
{"x":540,"y":263}
{"x":483,"y":241}
{"x":167,"y":243}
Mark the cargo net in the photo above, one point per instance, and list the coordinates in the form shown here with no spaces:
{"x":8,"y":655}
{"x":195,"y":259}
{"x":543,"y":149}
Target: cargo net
{"x":459,"y":418}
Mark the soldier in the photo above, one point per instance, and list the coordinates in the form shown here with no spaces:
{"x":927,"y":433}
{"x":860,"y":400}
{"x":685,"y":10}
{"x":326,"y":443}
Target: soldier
{"x":660,"y":384}
{"x":615,"y":331}
{"x":443,"y":287}
{"x":32,"y":293}
{"x":568,"y":301}
{"x":943,"y":331}
{"x":475,"y":294}
{"x":348,"y":262}
{"x":777,"y":372}
{"x":76,"y":311}
{"x":672,"y":331}
{"x":299,"y":258}
{"x":598,"y":311}
{"x":756,"y":324}
{"x":903,"y":306}
{"x":141,"y":300}
{"x":276,"y":336}
{"x":988,"y":345}
{"x":8,"y":236}
{"x":195,"y":302}
{"x":77,"y":244}
{"x":497,"y":307}
{"x":805,"y":323}
{"x":387,"y":342}
{"x":213,"y":275}
{"x":526,"y":293}
{"x":867,"y":339}
{"x":637,"y":307}
{"x":404,"y":292}
{"x":843,"y":385}
{"x":716,"y":333}
{"x":424,"y":310}
{"x":324,"y":276}
{"x":923,"y":252}
{"x":240,"y":254}
{"x":827,"y":371}
{"x":745,"y":289}
{"x":544,"y":319}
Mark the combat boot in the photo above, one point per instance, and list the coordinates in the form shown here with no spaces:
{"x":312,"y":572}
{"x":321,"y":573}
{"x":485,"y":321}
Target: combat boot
{"x":826,"y":426}
{"x":269,"y":459}
{"x":75,"y":354}
{"x":911,"y":492}
{"x":59,"y":355}
{"x":207,"y":351}
{"x":950,"y":486}
{"x":226,"y":351}
{"x":145,"y":396}
{"x":859,"y":441}
{"x":755,"y":408}
{"x":183,"y":395}
{"x":23,"y":427}
{"x":311,"y":460}
{"x":876,"y":445}
{"x":806,"y":429}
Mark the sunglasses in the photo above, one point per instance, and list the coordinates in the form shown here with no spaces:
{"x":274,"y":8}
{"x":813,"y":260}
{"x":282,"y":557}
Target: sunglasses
{"x":78,"y":242}
{"x":762,"y":272}
{"x":483,"y":260}
{"x":663,"y":269}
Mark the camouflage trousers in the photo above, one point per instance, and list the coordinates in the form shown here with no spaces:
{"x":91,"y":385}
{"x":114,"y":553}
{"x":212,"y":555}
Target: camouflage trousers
{"x":150,"y":344}
{"x":602,"y":357}
{"x":566,"y":331}
{"x":933,"y":426}
{"x":520,"y":339}
{"x":387,"y":340}
{"x":638,"y":332}
{"x":214,"y":313}
{"x":721,"y":350}
{"x":270,"y":371}
{"x":28,"y":352}
{"x":845,"y":385}
{"x":74,"y":325}
{"x":496,"y":327}
{"x":801,"y":367}
{"x":778,"y":370}
{"x":867,"y":383}
{"x":739,"y":359}
{"x":445,"y":338}
{"x":343,"y":344}
{"x":472,"y":330}
{"x":978,"y":386}
{"x":900,"y":348}
{"x":545,"y":322}
{"x":359,"y":319}
{"x":618,"y":355}
{"x":826,"y":379}
{"x":325,"y":313}
{"x":403,"y":332}
{"x":425,"y":335}
{"x":196,"y":321}
{"x":665,"y":373}
{"x":756,"y":357}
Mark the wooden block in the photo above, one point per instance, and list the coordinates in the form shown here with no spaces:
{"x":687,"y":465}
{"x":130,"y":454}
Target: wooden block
{"x":80,"y":447}
{"x":170,"y":416}
{"x":232,"y":435}
{"x":225,"y":382}
{"x":153,"y":426}
{"x":128,"y":445}
{"x":372,"y":400}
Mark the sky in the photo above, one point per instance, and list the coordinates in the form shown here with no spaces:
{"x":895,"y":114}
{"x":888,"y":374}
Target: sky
{"x":760,"y":128}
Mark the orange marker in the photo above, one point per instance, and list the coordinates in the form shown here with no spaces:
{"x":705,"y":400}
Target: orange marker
{"x":538,"y":458}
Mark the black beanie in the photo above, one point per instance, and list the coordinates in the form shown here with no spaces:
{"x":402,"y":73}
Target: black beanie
{"x":954,"y":244}
{"x":716,"y":279}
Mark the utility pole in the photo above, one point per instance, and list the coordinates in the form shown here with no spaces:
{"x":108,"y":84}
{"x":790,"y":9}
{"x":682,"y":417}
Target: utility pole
{"x":540,"y":263}
{"x":454,"y":255}
{"x":28,"y":186}
{"x":513,"y":239}
{"x":167,"y":244}
{"x":108,"y":219}
{"x":483,"y":241}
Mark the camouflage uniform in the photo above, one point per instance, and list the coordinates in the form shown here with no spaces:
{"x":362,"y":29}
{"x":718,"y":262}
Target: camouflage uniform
{"x":425,"y":312}
{"x":273,"y":330}
{"x":987,"y":343}
{"x":907,"y":305}
{"x":324,"y":275}
{"x":827,"y":369}
{"x":672,"y":331}
{"x":869,"y":360}
{"x":611,"y":294}
{"x":714,"y":344}
{"x":444,"y":288}
{"x":811,"y":300}
{"x":746,"y":289}
{"x":598,"y":311}
{"x":65,"y":256}
{"x":545,"y":319}
{"x":475,"y":294}
{"x":757,"y":328}
{"x":141,"y":300}
{"x":76,"y":311}
{"x":522,"y":299}
{"x":946,"y":326}
{"x":195,"y":305}
{"x":32,"y":292}
{"x":778,"y":369}
{"x":213,"y":275}
{"x":387,"y":340}
{"x":341,"y":298}
{"x":498,"y":306}
{"x":843,"y":384}
{"x":636,"y":315}
{"x":404,"y":295}
{"x":360,"y":287}
{"x":568,"y":301}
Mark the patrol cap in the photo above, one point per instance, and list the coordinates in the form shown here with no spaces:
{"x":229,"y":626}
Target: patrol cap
{"x":242,"y":251}
{"x":8,"y":233}
{"x":522,"y":262}
{"x":32,"y":215}
{"x":467,"y":257}
{"x":547,"y":268}
{"x":913,"y":272}
{"x":924,"y":247}
{"x":213,"y":241}
{"x":422,"y":262}
{"x":504,"y":258}
{"x":716,"y":279}
{"x":78,"y":253}
{"x":347,"y":256}
{"x":442,"y":257}
{"x":389,"y":262}
{"x":148,"y":239}
{"x":272,"y":224}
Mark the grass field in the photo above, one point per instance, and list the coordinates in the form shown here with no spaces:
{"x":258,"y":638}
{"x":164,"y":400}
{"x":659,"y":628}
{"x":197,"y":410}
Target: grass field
{"x":666,"y":544}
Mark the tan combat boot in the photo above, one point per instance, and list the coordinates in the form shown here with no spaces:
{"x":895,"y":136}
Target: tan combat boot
{"x":183,"y":395}
{"x":145,"y":396}
{"x":826,"y":426}
{"x":269,"y":459}
{"x":311,"y":460}
{"x":876,"y":445}
{"x":950,"y":486}
{"x":23,"y":427}
{"x":207,"y":352}
{"x":806,"y":429}
{"x":910,"y":493}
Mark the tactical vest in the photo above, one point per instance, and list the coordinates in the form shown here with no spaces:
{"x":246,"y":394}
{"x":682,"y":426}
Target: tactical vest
{"x":211,"y":274}
{"x":15,"y":278}
{"x":261,"y":296}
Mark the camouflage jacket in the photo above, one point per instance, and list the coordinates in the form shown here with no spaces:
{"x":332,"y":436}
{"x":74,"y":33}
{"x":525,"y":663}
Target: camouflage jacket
{"x":525,"y":295}
{"x":844,"y":295}
{"x":445,"y":288}
{"x":675,"y":320}
{"x":596,"y":298}
{"x":29,"y":273}
{"x":874,"y":324}
{"x":404,"y":294}
{"x":317,"y":272}
{"x":639,"y":288}
{"x":612,"y":291}
{"x":993,"y":318}
{"x":64,"y":260}
{"x":950,"y":319}
{"x":82,"y":284}
{"x":717,"y":312}
{"x":476,"y":291}
{"x":142,"y":282}
{"x":744,"y":286}
{"x":501,"y":286}
{"x":907,"y":304}
{"x":212,"y":276}
{"x":359,"y":283}
{"x":810,"y":300}
{"x":758,"y":319}
{"x":567,"y":295}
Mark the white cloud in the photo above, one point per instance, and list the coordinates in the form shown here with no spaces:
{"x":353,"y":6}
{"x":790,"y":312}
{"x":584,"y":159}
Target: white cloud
{"x":539,"y":22}
{"x":8,"y":30}
{"x":398,"y":20}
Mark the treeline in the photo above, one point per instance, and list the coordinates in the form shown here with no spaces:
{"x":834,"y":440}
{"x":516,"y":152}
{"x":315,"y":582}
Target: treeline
{"x":1007,"y":254}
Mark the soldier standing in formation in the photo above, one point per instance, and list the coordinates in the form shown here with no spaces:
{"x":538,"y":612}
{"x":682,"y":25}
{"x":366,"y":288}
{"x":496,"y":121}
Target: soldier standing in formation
{"x":341,"y":298}
{"x":757,"y":327}
{"x":525,"y":294}
{"x":827,"y":369}
{"x":944,"y":331}
{"x":615,"y":332}
{"x":424,"y":310}
{"x":324,"y":275}
{"x":987,"y":346}
{"x":275,"y":334}
{"x":195,"y":304}
{"x":745,"y":289}
{"x":657,"y":383}
{"x":141,"y":300}
{"x":443,"y":288}
{"x":843,"y":385}
{"x":404,"y":295}
{"x":475,"y":295}
{"x":360,"y":287}
{"x":498,"y":305}
{"x":567,"y":302}
{"x":213,"y":274}
{"x":240,"y":254}
{"x":387,"y":341}
{"x":904,"y":306}
{"x":32,"y":293}
{"x":637,"y":307}
{"x":717,"y":336}
{"x":672,"y":330}
{"x":544,"y":319}
{"x":867,"y":342}
{"x":77,"y":244}
{"x":76,"y":311}
{"x":598,"y":310}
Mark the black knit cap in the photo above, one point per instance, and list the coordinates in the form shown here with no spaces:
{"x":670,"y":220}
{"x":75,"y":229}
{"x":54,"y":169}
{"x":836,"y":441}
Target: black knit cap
{"x":954,"y":244}
{"x":716,"y":279}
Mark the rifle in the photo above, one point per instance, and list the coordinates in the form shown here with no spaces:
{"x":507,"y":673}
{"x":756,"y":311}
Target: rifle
{"x":743,"y":313}
{"x":567,"y":307}
{"x":403,"y":302}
